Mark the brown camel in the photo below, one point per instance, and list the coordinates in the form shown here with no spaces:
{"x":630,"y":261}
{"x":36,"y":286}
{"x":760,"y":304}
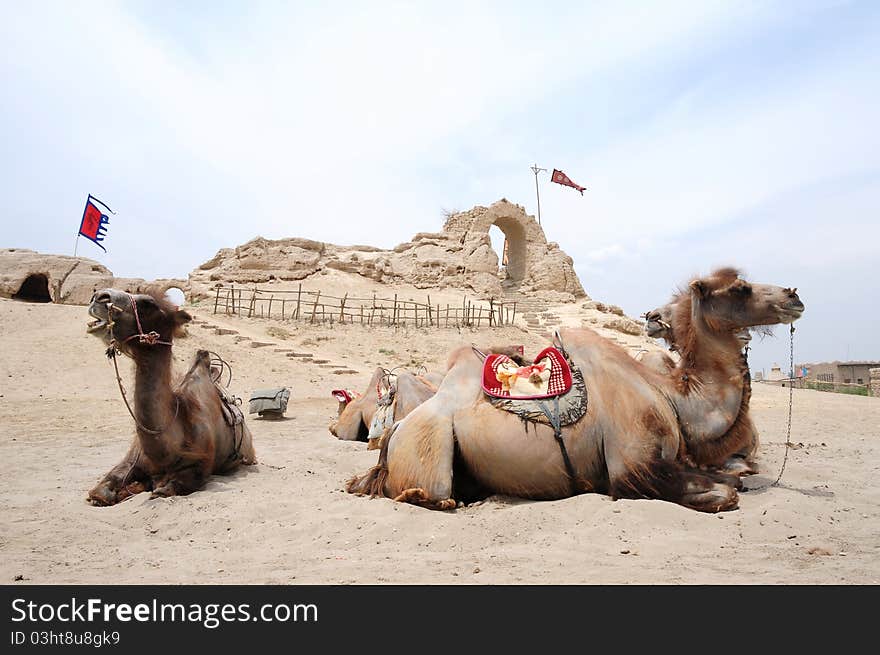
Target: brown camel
{"x":644,"y":434}
{"x":356,"y":415}
{"x":184,"y":432}
{"x":658,"y":325}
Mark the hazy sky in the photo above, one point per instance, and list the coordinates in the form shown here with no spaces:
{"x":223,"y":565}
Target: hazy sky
{"x":740,"y":133}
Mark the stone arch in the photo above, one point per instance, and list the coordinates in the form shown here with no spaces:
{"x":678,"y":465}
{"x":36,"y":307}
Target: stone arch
{"x":515,"y":234}
{"x":34,"y":288}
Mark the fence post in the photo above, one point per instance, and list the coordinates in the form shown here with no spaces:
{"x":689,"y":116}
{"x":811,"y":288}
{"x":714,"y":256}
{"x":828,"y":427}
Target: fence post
{"x":269,"y":313}
{"x":283,"y":300}
{"x":216,"y":299}
{"x":491,"y":311}
{"x":315,"y":306}
{"x":298,"y":295}
{"x":394,"y":311}
{"x":232,"y":292}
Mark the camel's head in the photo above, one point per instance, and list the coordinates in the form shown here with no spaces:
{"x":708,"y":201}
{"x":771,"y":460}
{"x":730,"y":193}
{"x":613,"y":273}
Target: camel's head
{"x":729,"y":303}
{"x":125,"y":317}
{"x":658,"y":323}
{"x":343,"y":397}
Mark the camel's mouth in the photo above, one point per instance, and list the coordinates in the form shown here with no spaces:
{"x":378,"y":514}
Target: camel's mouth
{"x":790,"y":314}
{"x":101,"y":316}
{"x":97,"y":324}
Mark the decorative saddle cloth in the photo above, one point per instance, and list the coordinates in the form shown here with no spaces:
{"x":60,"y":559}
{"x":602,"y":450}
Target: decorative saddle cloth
{"x":386,"y":393}
{"x":549,"y":376}
{"x":344,"y":395}
{"x":273,"y":401}
{"x":551,"y":390}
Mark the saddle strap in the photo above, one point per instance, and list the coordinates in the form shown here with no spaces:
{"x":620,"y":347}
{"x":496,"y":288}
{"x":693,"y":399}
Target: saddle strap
{"x":555,"y":422}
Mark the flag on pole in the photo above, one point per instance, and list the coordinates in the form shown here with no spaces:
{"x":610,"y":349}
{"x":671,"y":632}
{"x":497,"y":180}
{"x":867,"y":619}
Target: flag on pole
{"x":94,"y":221}
{"x":561,"y":178}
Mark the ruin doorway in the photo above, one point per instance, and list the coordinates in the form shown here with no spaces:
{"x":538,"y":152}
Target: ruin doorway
{"x":35,"y":288}
{"x":510,"y":236}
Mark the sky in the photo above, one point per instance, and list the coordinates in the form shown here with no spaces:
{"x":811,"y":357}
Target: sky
{"x":707,"y":134}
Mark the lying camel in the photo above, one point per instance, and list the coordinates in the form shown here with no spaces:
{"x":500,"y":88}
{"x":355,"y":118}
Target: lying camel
{"x":644,"y":434}
{"x":182,"y":434}
{"x":356,"y":414}
{"x":658,"y":325}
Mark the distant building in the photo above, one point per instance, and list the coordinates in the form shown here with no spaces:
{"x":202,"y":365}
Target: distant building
{"x":856,"y":372}
{"x":775,"y":374}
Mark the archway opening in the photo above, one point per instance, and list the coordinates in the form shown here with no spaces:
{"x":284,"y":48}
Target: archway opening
{"x":514,"y":245}
{"x":176,"y":296}
{"x":499,"y":243}
{"x":35,"y":288}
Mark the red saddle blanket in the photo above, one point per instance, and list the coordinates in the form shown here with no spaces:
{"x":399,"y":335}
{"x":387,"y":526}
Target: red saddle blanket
{"x":549,"y":376}
{"x":344,"y":395}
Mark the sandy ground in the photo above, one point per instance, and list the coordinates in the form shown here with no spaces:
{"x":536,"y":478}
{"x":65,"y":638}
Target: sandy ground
{"x":287,"y":519}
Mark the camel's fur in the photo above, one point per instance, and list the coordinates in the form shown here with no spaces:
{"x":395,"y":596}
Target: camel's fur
{"x":660,"y":325}
{"x":195,"y":440}
{"x":643,"y":435}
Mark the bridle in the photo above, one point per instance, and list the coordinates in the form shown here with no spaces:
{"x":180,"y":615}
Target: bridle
{"x":150,"y":339}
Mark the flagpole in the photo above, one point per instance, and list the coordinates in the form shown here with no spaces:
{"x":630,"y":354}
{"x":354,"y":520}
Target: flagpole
{"x":76,"y":244}
{"x":537,"y":170}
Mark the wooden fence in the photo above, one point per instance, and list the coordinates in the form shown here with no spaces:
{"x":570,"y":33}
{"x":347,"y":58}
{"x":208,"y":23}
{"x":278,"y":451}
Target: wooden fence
{"x":318,"y":307}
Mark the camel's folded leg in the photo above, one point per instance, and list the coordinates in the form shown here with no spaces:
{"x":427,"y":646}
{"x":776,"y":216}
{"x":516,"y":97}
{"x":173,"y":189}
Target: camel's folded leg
{"x":122,"y":481}
{"x":415,"y":463}
{"x":644,"y":473}
{"x":182,"y":481}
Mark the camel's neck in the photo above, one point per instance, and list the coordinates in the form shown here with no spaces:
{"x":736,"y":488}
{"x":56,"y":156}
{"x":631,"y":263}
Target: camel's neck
{"x":154,"y":405}
{"x":709,"y":387}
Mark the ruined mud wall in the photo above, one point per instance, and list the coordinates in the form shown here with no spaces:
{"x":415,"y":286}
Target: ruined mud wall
{"x":67,"y":280}
{"x":459,"y":256}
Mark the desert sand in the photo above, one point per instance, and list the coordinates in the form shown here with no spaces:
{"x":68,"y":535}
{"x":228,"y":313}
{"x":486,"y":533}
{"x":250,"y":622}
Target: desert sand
{"x":287,"y":519}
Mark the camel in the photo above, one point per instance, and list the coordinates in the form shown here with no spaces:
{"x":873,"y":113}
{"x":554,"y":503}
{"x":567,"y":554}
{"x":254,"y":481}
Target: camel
{"x":185,"y":432}
{"x":356,"y":415}
{"x":658,"y":325}
{"x":644,"y":434}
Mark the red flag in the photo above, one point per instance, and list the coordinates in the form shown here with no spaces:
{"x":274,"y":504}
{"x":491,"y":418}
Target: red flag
{"x":561,"y":178}
{"x":94,"y":221}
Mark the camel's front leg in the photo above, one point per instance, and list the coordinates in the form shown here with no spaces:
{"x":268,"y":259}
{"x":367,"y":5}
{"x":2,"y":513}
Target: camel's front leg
{"x":123,"y":481}
{"x":181,"y":481}
{"x":415,"y":464}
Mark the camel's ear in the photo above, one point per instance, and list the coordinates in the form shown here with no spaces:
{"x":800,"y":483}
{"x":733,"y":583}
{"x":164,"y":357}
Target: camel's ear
{"x":700,"y":288}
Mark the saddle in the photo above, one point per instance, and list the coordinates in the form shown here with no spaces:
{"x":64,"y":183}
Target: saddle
{"x":229,"y":404}
{"x":549,"y":376}
{"x":553,"y":391}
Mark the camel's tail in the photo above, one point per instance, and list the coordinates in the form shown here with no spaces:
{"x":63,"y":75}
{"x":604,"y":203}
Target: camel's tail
{"x":373,"y":481}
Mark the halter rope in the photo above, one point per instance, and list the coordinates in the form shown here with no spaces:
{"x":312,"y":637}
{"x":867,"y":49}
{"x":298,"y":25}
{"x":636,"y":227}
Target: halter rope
{"x":150,"y":339}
